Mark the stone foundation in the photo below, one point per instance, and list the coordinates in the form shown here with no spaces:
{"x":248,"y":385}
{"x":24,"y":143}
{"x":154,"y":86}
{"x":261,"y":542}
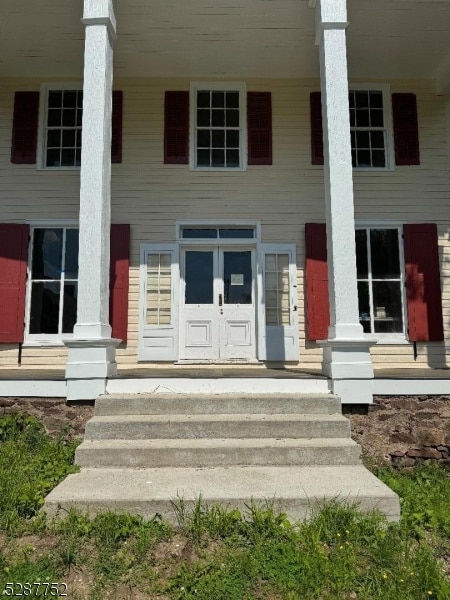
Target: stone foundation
{"x":402,"y":430}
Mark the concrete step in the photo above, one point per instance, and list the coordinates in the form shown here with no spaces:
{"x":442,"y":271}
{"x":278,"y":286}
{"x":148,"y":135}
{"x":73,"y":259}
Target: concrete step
{"x":138,"y":427}
{"x":293,"y":490}
{"x":194,"y":404}
{"x":216,"y":452}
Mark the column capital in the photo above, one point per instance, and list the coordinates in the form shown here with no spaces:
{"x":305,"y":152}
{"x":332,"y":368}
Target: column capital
{"x":100,"y":12}
{"x":330,"y":14}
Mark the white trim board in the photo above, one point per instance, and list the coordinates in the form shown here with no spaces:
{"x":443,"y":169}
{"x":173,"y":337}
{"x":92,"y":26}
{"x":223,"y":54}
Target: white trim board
{"x":225,"y":385}
{"x":39,"y":388}
{"x":411,"y":387}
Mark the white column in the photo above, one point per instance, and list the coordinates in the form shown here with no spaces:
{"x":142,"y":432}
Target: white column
{"x":346,"y":352}
{"x":92,"y":351}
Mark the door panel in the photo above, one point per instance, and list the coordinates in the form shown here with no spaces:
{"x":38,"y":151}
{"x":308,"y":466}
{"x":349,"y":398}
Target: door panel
{"x":237,"y":315}
{"x":199,"y":302}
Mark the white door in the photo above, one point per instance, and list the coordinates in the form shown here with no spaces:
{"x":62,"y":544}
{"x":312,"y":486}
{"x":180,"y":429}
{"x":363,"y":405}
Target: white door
{"x":218,"y":305}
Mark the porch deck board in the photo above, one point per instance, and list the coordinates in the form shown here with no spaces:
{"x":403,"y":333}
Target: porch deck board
{"x":20,"y":373}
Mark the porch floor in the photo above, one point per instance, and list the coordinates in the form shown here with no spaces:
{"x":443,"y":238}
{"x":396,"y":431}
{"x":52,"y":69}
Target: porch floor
{"x":197,"y":372}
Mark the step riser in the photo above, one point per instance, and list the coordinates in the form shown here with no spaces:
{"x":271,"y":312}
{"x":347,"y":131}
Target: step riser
{"x":143,"y":458}
{"x":222,"y":429}
{"x":297,"y":510}
{"x":324,"y":405}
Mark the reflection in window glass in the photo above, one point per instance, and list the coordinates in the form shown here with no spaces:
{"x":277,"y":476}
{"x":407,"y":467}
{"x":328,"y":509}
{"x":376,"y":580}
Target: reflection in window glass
{"x":53,"y":285}
{"x":159,"y":288}
{"x":237,"y":277}
{"x":277,"y":289}
{"x":380,"y":286}
{"x":199,"y":277}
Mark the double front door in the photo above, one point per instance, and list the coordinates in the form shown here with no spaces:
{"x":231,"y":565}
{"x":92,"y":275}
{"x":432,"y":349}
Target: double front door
{"x":218,"y":305}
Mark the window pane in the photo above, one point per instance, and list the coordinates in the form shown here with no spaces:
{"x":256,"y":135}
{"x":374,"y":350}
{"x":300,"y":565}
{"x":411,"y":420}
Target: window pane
{"x":203,"y":118}
{"x":276,"y":283}
{"x":69,"y":307}
{"x":376,"y":99}
{"x":362,"y":139}
{"x":236,"y":233}
{"x":232,"y":100}
{"x":361,"y":253}
{"x":387,"y":306}
{"x":376,"y":118}
{"x":67,"y":158}
{"x":218,"y":99}
{"x":159,"y":289}
{"x":377,"y":139}
{"x":364,"y":305}
{"x":378,"y":158}
{"x":69,"y":117}
{"x":68,"y":138}
{"x":362,"y":118}
{"x":237,"y":277}
{"x":233,"y":158}
{"x":218,"y":158}
{"x":47,"y":254}
{"x":218,"y":118}
{"x":71,"y":258}
{"x":385,"y":253}
{"x":218,"y":138}
{"x":232,"y":118}
{"x":54,"y":138}
{"x":199,"y":233}
{"x":203,"y":158}
{"x":199,"y":277}
{"x":55,"y":99}
{"x":53,"y":158}
{"x":70,"y":99}
{"x":203,"y":139}
{"x":44,"y":309}
{"x":203,"y":99}
{"x":54,"y":118}
{"x":362,"y":99}
{"x":233,"y":139}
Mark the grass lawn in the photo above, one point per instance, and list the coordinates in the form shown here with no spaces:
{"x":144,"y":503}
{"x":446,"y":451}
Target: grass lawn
{"x":215,"y":554}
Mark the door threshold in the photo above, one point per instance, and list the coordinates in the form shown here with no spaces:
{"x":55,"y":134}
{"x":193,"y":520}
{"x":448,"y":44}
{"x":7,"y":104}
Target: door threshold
{"x":231,"y":361}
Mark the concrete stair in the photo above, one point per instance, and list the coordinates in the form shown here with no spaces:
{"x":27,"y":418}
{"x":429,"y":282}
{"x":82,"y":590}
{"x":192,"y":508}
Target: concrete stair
{"x":142,"y":451}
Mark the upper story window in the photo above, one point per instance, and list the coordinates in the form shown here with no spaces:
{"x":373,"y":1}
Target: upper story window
{"x":217,"y":121}
{"x":369,"y":128}
{"x":380,"y":268}
{"x":61,"y":122}
{"x":52,"y":282}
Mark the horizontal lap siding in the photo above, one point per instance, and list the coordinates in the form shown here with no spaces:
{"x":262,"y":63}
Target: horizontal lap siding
{"x":151,"y":196}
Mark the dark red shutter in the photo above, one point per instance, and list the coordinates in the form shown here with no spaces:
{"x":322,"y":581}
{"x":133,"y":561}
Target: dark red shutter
{"x":119,"y":280}
{"x":316,"y":128}
{"x":176,"y":128}
{"x":259,"y":120}
{"x":116,"y":133}
{"x":406,"y":129}
{"x":25,"y":128}
{"x":316,"y":276}
{"x":13,"y":274}
{"x":423,"y":283}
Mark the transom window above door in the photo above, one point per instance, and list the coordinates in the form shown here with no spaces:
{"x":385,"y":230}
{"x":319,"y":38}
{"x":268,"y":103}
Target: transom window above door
{"x":223,"y":233}
{"x":218,"y":118}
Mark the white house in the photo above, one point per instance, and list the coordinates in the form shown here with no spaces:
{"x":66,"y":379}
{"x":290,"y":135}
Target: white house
{"x":261,"y":182}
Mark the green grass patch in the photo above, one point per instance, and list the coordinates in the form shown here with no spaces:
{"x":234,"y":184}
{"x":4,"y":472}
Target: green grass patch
{"x":215,"y":553}
{"x":32,"y":463}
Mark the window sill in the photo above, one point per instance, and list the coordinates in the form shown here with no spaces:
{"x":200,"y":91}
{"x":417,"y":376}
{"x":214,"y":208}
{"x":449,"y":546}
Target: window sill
{"x":387,"y":340}
{"x":57,"y":343}
{"x":58,"y":169}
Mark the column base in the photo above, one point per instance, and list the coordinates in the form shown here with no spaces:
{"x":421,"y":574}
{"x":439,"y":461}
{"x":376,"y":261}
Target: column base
{"x":348,"y":364}
{"x":90,"y":363}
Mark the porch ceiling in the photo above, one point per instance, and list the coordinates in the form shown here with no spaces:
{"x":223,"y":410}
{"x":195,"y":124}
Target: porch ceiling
{"x":230,"y":38}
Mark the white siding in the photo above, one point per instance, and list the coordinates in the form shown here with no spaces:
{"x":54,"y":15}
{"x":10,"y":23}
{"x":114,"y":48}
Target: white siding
{"x":151,"y":196}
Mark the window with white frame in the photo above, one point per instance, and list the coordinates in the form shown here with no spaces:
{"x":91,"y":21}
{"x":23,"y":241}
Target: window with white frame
{"x":61,"y":122}
{"x":369,"y":128}
{"x":217,"y":120}
{"x":52,"y":282}
{"x":159,"y":289}
{"x":380,"y":280}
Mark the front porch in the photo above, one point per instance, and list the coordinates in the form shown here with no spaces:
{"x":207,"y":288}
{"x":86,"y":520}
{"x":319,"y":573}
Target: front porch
{"x":215,"y":379}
